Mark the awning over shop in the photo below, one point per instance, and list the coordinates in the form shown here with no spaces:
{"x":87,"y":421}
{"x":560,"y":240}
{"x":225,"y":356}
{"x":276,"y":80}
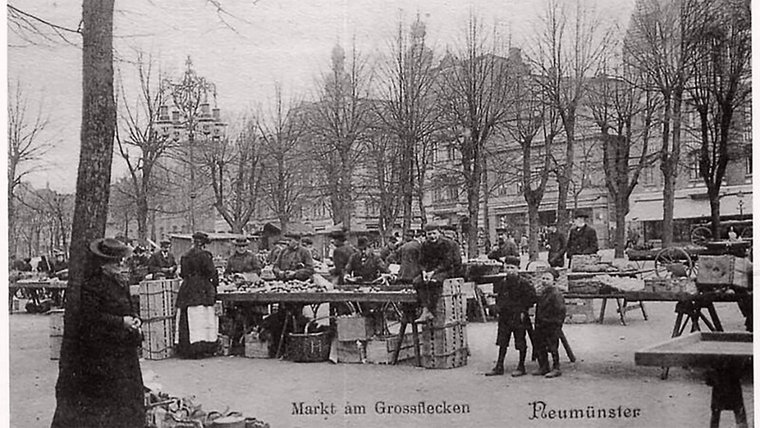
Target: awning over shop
{"x":690,"y":206}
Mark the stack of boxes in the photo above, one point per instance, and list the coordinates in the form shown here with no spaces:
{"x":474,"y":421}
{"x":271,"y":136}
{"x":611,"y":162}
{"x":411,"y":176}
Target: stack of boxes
{"x":157,"y":311}
{"x":443,"y":342}
{"x":362,"y":340}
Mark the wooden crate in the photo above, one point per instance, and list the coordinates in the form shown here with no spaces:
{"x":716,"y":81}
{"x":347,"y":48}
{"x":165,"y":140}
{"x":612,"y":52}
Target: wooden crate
{"x":351,"y":351}
{"x":379,"y":349}
{"x":158,"y":343}
{"x":452,"y":286}
{"x":355,"y":328}
{"x":255,"y":346}
{"x":724,"y":271}
{"x":56,"y":332}
{"x":443,"y":340}
{"x":580,"y":311}
{"x":450,"y":309}
{"x":450,"y":360}
{"x":158,"y":298}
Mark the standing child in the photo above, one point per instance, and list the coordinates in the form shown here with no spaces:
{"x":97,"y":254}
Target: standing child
{"x":550,"y":315}
{"x":514,"y":296}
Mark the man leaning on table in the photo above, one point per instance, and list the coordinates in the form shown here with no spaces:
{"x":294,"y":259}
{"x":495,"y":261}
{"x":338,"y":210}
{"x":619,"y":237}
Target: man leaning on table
{"x":294,"y":261}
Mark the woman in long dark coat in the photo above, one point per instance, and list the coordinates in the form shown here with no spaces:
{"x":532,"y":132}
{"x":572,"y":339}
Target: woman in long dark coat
{"x":108,"y":390}
{"x":197,"y":325}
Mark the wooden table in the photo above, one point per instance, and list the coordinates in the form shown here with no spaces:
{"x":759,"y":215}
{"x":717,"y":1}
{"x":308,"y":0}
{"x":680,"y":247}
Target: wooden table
{"x":725,"y":353}
{"x":408,"y":301}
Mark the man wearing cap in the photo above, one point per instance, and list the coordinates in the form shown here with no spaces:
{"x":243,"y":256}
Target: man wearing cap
{"x":556,"y":244}
{"x":582,"y":238}
{"x":341,"y":254}
{"x":294,"y":261}
{"x":440,"y":259}
{"x":196,"y":321}
{"x":162,"y":263}
{"x":242,"y":260}
{"x":308,"y":243}
{"x":365,"y":264}
{"x":507,"y":248}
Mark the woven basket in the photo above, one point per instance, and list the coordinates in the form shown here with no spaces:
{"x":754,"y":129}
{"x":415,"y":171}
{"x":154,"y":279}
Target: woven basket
{"x":308,"y":347}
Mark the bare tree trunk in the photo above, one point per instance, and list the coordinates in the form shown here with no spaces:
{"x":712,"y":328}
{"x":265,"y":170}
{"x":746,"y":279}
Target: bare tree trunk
{"x":93,"y":189}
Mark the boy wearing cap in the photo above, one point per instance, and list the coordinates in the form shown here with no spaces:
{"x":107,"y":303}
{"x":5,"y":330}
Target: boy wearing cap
{"x":242,"y":260}
{"x":550,"y":315}
{"x":440,"y":259}
{"x":582,"y":238}
{"x":162,"y":263}
{"x":514,"y":296}
{"x":294,"y":261}
{"x":365,"y":264}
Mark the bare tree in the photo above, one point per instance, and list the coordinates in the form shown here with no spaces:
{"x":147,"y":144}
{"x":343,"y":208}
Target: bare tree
{"x":92,"y":190}
{"x":144,"y":136}
{"x":720,"y":87}
{"x":409,"y":110}
{"x":660,"y":45}
{"x":474,"y":100}
{"x":625,"y":115}
{"x":532,"y":117}
{"x":339,"y":124}
{"x":236,"y":170}
{"x":287,"y":177}
{"x":26,"y":147}
{"x":567,"y":51}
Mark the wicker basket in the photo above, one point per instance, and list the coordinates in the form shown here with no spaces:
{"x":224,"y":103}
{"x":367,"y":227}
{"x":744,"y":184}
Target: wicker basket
{"x":308,"y":347}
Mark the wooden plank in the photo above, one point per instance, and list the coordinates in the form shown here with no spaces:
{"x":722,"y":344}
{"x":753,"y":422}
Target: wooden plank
{"x":334,"y":296}
{"x":698,"y":349}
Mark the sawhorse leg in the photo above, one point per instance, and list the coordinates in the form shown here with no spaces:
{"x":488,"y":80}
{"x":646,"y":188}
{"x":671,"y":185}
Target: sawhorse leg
{"x":408,"y":318}
{"x":603,"y":310}
{"x":726,"y":395}
{"x":566,"y":345}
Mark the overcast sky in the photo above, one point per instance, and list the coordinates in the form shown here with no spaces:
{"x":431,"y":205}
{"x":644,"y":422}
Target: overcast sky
{"x":285,"y":41}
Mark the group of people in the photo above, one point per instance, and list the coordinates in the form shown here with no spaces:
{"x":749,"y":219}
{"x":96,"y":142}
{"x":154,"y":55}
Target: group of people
{"x":581,"y":239}
{"x":425,"y":262}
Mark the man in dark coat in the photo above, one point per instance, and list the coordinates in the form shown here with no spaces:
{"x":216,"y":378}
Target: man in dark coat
{"x":506,"y":250}
{"x":242,"y":260}
{"x":195,"y":301}
{"x":440,"y":259}
{"x":550,"y":315}
{"x":408,"y":256}
{"x":341,"y":254}
{"x":365,"y":264}
{"x":582,"y":238}
{"x":162,"y":263}
{"x":388,"y":252}
{"x":514,"y":296}
{"x":107,"y":387}
{"x":294,"y":261}
{"x":555,"y":243}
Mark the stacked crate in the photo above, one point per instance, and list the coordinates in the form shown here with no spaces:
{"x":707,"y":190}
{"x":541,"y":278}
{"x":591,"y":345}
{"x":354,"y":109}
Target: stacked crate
{"x":722,"y":271}
{"x":353,"y":332}
{"x":444,"y":340}
{"x":158,"y":311}
{"x":380,"y":349}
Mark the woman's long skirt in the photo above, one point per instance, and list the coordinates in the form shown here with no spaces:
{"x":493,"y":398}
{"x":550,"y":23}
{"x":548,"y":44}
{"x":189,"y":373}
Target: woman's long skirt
{"x":196,"y":331}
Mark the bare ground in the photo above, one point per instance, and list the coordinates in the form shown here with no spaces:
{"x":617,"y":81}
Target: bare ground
{"x":604,"y":376}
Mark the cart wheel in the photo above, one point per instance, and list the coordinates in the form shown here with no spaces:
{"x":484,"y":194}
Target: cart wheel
{"x":700,"y":235}
{"x":667,"y":257}
{"x":746,"y":233}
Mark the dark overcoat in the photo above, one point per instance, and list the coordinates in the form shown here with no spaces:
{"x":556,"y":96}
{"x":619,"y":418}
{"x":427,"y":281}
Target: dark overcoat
{"x":441,"y":257}
{"x":557,"y":245}
{"x":200,"y":279}
{"x":111,"y":389}
{"x":157,"y":262}
{"x":408,"y":256}
{"x":582,"y":240}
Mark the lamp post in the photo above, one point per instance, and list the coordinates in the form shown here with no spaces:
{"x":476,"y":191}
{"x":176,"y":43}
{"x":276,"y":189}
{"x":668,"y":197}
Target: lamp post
{"x":184,"y":125}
